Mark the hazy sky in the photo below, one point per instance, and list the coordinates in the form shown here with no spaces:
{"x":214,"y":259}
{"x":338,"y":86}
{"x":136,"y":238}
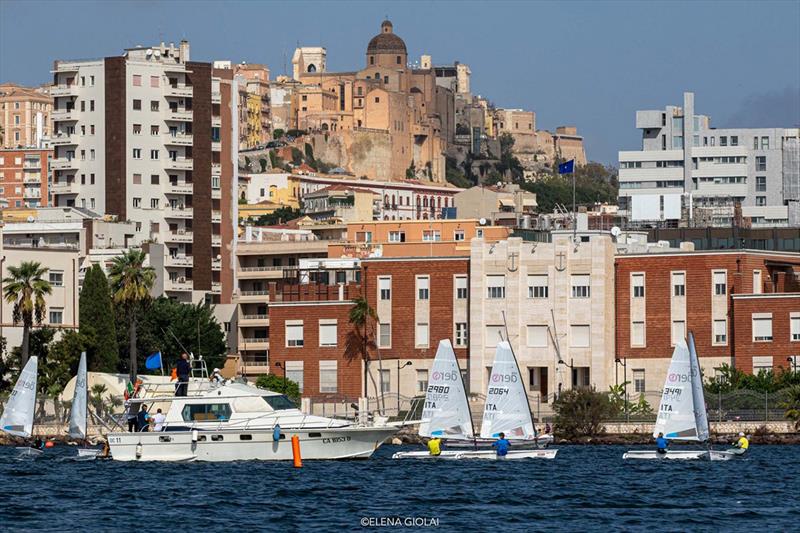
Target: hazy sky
{"x":591,"y":64}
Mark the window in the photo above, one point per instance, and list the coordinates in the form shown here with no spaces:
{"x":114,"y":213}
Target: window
{"x":328,"y":376}
{"x":581,"y":285}
{"x":91,"y":105}
{"x":137,"y":80}
{"x":496,"y":286}
{"x":678,"y":284}
{"x":56,"y":315}
{"x":431,"y":235}
{"x":537,"y":336}
{"x":637,"y":285}
{"x":678,"y":331}
{"x":423,"y":287}
{"x":734,"y":140}
{"x":377,"y":100}
{"x":154,"y":130}
{"x":421,"y":335}
{"x":461,"y":287}
{"x":137,"y":202}
{"x":720,"y":283}
{"x":723,"y":140}
{"x":638,"y":380}
{"x":397,"y":236}
{"x":761,"y":200}
{"x":385,"y":288}
{"x":294,"y":333}
{"x":294,"y":372}
{"x":755,"y":143}
{"x":385,"y":335}
{"x":537,"y":286}
{"x":153,"y":203}
{"x":757,"y":288}
{"x":137,"y":153}
{"x":153,"y":105}
{"x":458,"y":235}
{"x":137,"y":105}
{"x":56,"y":278}
{"x":202,"y":412}
{"x":363,"y":236}
{"x":461,"y":333}
{"x":761,"y":183}
{"x":154,"y":155}
{"x":794,"y":327}
{"x":386,"y":381}
{"x":153,"y":179}
{"x":637,"y":334}
{"x":762,"y":327}
{"x":720,"y":331}
{"x":137,"y":179}
{"x":137,"y":129}
{"x":579,"y":336}
{"x":422,"y":380}
{"x":761,"y":163}
{"x":327,"y":332}
{"x":494,"y":334}
{"x":765,"y":143}
{"x":153,"y":81}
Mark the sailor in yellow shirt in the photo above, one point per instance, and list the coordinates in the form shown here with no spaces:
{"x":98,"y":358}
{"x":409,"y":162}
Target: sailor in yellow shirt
{"x":742,"y":443}
{"x":435,"y":446}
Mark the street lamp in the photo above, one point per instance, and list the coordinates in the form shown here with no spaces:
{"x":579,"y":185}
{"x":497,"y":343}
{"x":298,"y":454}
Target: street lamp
{"x":571,"y":366}
{"x":624,"y":363}
{"x":407,"y":363}
{"x":279,"y":365}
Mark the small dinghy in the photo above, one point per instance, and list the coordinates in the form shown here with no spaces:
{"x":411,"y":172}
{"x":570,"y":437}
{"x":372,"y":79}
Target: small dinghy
{"x":78,"y":419}
{"x":17,"y":419}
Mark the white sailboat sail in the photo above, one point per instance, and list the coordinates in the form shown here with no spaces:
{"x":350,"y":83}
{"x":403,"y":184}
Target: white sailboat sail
{"x":77,"y":414}
{"x":17,"y":417}
{"x":506,"y":410}
{"x":676,"y":413}
{"x":446,"y":412}
{"x":700,"y":413}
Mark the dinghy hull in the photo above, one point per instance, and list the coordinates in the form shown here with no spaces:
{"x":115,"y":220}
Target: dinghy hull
{"x":678,"y":455}
{"x":513,"y":454}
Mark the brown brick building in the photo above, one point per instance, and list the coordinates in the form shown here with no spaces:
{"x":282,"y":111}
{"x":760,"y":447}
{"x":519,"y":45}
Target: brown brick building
{"x":714,"y":294}
{"x":23,"y":177}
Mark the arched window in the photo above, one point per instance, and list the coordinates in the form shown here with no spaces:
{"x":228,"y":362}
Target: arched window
{"x":377,"y":76}
{"x":418,"y":201}
{"x":312,"y":68}
{"x":371,"y":60}
{"x":446,"y":198}
{"x":439,"y":201}
{"x":324,"y":126}
{"x":425,"y":202}
{"x":394,"y":203}
{"x":408,"y":200}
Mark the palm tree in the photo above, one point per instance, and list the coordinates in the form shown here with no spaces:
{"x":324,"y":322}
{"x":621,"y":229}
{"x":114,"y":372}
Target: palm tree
{"x":25,"y":289}
{"x":360,"y":315}
{"x":131,"y":282}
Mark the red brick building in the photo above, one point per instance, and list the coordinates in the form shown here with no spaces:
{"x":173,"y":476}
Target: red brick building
{"x":715,"y":295}
{"x":23,"y":177}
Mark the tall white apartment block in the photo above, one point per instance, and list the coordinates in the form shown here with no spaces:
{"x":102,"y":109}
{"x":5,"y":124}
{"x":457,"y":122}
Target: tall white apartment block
{"x":688,"y":173}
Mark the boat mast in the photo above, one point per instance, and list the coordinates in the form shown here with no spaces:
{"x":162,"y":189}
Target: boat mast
{"x":527,"y":400}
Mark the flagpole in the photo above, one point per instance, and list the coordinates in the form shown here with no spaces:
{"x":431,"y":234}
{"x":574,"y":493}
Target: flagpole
{"x":574,"y":209}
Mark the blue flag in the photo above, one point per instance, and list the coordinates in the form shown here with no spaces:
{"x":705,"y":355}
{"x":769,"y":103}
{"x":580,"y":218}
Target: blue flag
{"x":567,"y":168}
{"x":153,"y":361}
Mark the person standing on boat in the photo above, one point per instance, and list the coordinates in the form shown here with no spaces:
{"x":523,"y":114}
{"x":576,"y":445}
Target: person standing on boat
{"x":158,"y":420}
{"x":143,"y":420}
{"x":661,"y":444}
{"x":502,"y":445}
{"x":435,"y":446}
{"x":183,"y":370}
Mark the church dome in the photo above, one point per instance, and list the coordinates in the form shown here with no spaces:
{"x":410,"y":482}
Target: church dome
{"x":386,"y":42}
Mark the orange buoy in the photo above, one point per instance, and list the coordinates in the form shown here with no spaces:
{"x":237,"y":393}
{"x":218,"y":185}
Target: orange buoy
{"x":298,"y":462}
{"x":49,"y":444}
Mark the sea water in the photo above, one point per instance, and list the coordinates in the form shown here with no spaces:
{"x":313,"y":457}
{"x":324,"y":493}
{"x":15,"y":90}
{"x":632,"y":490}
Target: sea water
{"x":586,"y":488}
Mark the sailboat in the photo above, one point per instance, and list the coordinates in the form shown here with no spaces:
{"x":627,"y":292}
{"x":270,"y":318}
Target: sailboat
{"x":446,"y":411}
{"x":507,"y":410}
{"x":78,"y":420}
{"x":17,"y":419}
{"x":682,"y":412}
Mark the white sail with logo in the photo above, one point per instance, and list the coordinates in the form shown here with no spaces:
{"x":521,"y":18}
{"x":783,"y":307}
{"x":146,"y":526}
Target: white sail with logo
{"x":17,"y":417}
{"x":677,"y":418}
{"x":700,"y":413}
{"x":77,"y":414}
{"x":446,"y":413}
{"x":507,"y":409}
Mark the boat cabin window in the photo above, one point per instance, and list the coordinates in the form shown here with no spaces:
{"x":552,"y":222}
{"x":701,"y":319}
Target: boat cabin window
{"x":203,"y":412}
{"x":245,"y":437}
{"x":217,"y":438}
{"x":279,"y":401}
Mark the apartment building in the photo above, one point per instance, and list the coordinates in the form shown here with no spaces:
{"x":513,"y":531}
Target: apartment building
{"x":24,"y":176}
{"x":24,"y":116}
{"x":506,"y":205}
{"x":146,"y":137}
{"x":554,"y":302}
{"x":691,"y":174}
{"x":743,"y":307}
{"x":341,"y":203}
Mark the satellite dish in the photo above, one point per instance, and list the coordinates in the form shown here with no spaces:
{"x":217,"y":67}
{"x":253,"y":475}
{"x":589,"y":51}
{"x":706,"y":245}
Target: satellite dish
{"x":615,"y":231}
{"x":149,"y":52}
{"x":482,"y":222}
{"x":30,"y":218}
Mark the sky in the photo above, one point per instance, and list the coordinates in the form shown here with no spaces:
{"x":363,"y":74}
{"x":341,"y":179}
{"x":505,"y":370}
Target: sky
{"x":588,"y":64}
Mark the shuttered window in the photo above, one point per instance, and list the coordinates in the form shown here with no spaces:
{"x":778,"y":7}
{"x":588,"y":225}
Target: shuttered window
{"x":496,"y":286}
{"x":327,"y":332}
{"x":762,"y":327}
{"x":579,"y":336}
{"x":581,"y":286}
{"x":294,"y":333}
{"x":328,"y":376}
{"x":637,"y":334}
{"x":294,"y":372}
{"x":537,"y":336}
{"x":537,"y":286}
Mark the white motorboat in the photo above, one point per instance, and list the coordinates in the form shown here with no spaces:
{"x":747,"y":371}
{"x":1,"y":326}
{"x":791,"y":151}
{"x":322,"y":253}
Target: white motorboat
{"x":682,"y":412}
{"x":239,"y":422}
{"x":17,"y":419}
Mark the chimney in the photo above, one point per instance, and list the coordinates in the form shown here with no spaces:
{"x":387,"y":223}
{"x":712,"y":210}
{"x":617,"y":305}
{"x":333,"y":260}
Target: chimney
{"x":184,"y":51}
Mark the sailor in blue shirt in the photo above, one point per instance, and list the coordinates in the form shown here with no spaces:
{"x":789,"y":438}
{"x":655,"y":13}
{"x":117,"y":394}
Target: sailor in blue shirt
{"x":661,"y":443}
{"x":502,"y":445}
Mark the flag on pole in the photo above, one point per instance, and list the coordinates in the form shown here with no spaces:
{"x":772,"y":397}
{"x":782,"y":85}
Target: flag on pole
{"x":567,"y":168}
{"x":153,"y":361}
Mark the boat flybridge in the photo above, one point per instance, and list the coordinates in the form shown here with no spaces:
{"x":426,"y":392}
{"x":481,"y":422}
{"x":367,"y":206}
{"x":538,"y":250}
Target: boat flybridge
{"x":233,"y":421}
{"x":447,"y":415}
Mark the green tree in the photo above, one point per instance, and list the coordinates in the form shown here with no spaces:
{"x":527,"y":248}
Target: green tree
{"x":131,"y":282}
{"x":25,"y":289}
{"x":582,"y":412}
{"x":274,"y":383}
{"x":173,"y":327}
{"x":593,"y":183}
{"x":454,"y":175}
{"x":97,"y":322}
{"x":792,"y":405}
{"x":60,"y":361}
{"x":277,"y":133}
{"x":360,"y":342}
{"x":279,"y":216}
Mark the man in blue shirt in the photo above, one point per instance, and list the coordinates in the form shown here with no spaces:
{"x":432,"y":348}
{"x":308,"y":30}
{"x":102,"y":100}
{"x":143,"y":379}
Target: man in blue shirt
{"x":143,"y":420}
{"x":661,"y":443}
{"x":502,"y":445}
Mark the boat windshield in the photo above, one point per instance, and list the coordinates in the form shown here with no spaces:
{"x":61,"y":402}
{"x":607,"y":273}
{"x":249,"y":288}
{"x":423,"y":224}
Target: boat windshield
{"x":279,"y":402}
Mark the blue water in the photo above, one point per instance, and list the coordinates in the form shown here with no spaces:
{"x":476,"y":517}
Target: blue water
{"x":586,"y":488}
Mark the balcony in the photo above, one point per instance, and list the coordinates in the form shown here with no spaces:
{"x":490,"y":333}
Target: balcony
{"x":179,"y":139}
{"x":180,"y":188}
{"x":178,"y":212}
{"x":216,"y":97}
{"x":63,"y":90}
{"x":63,"y":114}
{"x":63,"y":187}
{"x":63,"y":139}
{"x":254,"y":321}
{"x":179,"y":91}
{"x":216,"y":194}
{"x":63,"y":164}
{"x":216,"y":122}
{"x":216,"y":169}
{"x":253,"y":343}
{"x":216,"y":287}
{"x":32,"y":194}
{"x":32,"y":179}
{"x":216,"y":240}
{"x":253,"y":296}
{"x":216,"y":146}
{"x":179,"y":261}
{"x":179,"y":115}
{"x":180,"y":163}
{"x":179,"y":236}
{"x":263,"y":272}
{"x":216,"y":264}
{"x":178,"y":285}
{"x":216,"y":216}
{"x":32,"y":164}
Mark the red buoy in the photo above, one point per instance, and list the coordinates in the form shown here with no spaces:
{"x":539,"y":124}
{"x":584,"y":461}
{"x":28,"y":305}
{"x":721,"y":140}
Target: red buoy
{"x":49,"y":444}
